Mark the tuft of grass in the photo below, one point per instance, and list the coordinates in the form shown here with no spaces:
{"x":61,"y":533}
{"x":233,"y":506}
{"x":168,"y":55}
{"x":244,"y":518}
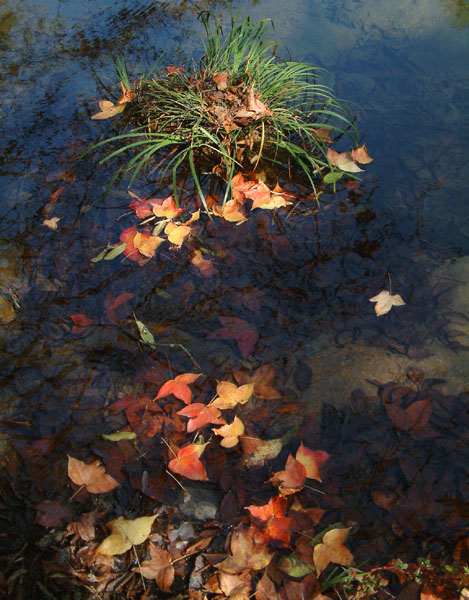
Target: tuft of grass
{"x":239,"y":109}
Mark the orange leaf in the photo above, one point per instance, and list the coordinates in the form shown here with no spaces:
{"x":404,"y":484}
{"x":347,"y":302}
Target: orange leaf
{"x":188,"y":464}
{"x":232,"y":211}
{"x":230,"y":433}
{"x":361,"y":155}
{"x":131,"y":251}
{"x":108,"y":109}
{"x":167,"y":209}
{"x":292,"y":479}
{"x":142,"y":208}
{"x":343,"y":160}
{"x":311,"y":460}
{"x":127,"y":95}
{"x":221,"y":80}
{"x":81,"y":322}
{"x":332,"y":550}
{"x":179,"y":387}
{"x":199,"y":415}
{"x":146,"y":244}
{"x":92,"y":476}
{"x":261,"y":379}
{"x":276,"y":526}
{"x":249,"y":551}
{"x":205,"y":266}
{"x":177,"y":233}
{"x":230,"y":395}
{"x":240,"y":330}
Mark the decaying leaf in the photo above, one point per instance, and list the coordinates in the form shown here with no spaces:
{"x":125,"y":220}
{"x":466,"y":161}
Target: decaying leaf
{"x":159,"y":568}
{"x":261,"y":379}
{"x":385,"y":301}
{"x":51,"y":223}
{"x":125,"y":534}
{"x":257,"y":451}
{"x":81,"y":322}
{"x":311,"y":460}
{"x":92,"y":476}
{"x":240,"y":330}
{"x":249,"y":550}
{"x":343,"y":160}
{"x":108,"y":109}
{"x":292,"y":479}
{"x":204,"y":265}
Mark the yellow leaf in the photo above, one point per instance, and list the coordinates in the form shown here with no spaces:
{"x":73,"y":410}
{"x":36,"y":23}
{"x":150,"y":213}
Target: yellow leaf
{"x":119,"y":435}
{"x":230,"y":433}
{"x":332,"y":550}
{"x":229,"y":394}
{"x":177,"y":233}
{"x":108,"y":109}
{"x":125,"y":534}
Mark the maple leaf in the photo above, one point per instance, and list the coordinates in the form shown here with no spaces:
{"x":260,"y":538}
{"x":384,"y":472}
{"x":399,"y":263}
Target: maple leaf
{"x":275,"y":525}
{"x":257,"y":451}
{"x":131,"y":252}
{"x":249,"y":551}
{"x":127,"y":94}
{"x":108,"y":109}
{"x":143,"y":415}
{"x":343,"y":161}
{"x":188,"y":464}
{"x":142,"y":208}
{"x":111,"y":304}
{"x":84,"y":528}
{"x":261,"y":379}
{"x":361,"y":155}
{"x":125,"y":534}
{"x":51,"y":223}
{"x":81,"y":321}
{"x":230,"y":433}
{"x":204,"y":265}
{"x":159,"y":568}
{"x":311,"y":460}
{"x":292,"y":479}
{"x":166,"y":208}
{"x":385,"y":301}
{"x":92,"y":476}
{"x":332,"y":550}
{"x":230,"y":395}
{"x":240,"y":330}
{"x":177,"y":233}
{"x":199,"y":415}
{"x":146,"y":244}
{"x":179,"y":387}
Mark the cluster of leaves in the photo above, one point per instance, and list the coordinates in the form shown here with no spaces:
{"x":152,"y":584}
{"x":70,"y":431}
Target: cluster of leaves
{"x":241,"y":107}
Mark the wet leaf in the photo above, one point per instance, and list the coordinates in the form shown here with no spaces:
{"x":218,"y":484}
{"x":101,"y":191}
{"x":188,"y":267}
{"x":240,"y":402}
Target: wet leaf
{"x":261,"y":379}
{"x":343,"y":161}
{"x":188,"y":464}
{"x":108,"y":109}
{"x":125,"y":534}
{"x":292,"y":479}
{"x":204,"y":265}
{"x":385,"y":301}
{"x":50,"y":513}
{"x":51,"y":223}
{"x":311,"y":460}
{"x":276,"y":526}
{"x":230,"y":433}
{"x":179,"y":387}
{"x":257,"y":451}
{"x":200,"y":415}
{"x":92,"y":476}
{"x":230,"y":395}
{"x":146,"y":244}
{"x":221,"y":80}
{"x":119,"y":435}
{"x":240,"y":330}
{"x":82,"y":322}
{"x":361,"y":155}
{"x":166,"y":208}
{"x":249,"y":550}
{"x":177,"y":233}
{"x":111,"y":305}
{"x":232,"y":211}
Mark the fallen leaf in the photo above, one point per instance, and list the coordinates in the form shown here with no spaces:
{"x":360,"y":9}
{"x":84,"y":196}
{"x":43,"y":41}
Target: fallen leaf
{"x":343,"y":161}
{"x":240,"y":330}
{"x":166,"y":208}
{"x":385,"y":301}
{"x":127,"y":94}
{"x":221,"y":80}
{"x":257,"y":451}
{"x":146,"y":244}
{"x":84,"y":528}
{"x":125,"y":534}
{"x":187,"y":462}
{"x":159,"y":568}
{"x":119,"y":435}
{"x":232,"y":211}
{"x":51,"y":223}
{"x":92,"y":476}
{"x":200,"y":415}
{"x":249,"y":550}
{"x":111,"y":305}
{"x":276,"y":526}
{"x":51,"y":512}
{"x":311,"y":460}
{"x":179,"y":387}
{"x":230,"y":395}
{"x":361,"y":155}
{"x":177,"y":233}
{"x":204,"y":265}
{"x":230,"y":433}
{"x":332,"y":550}
{"x":108,"y":109}
{"x":292,"y":479}
{"x":261,"y":378}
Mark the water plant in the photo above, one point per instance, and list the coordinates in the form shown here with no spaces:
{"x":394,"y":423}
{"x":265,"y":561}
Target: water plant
{"x":240,"y":109}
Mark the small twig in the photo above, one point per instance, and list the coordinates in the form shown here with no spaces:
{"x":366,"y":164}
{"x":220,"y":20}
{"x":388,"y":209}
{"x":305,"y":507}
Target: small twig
{"x":169,"y":447}
{"x":314,"y":489}
{"x":139,"y":568}
{"x":178,"y":482}
{"x":181,"y":347}
{"x":390,"y":284}
{"x":76,"y":493}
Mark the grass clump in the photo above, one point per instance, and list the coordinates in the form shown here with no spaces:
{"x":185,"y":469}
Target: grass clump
{"x":240,"y":108}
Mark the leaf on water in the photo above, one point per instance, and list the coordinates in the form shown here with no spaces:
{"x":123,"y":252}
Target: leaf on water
{"x":257,"y":451}
{"x":115,"y":252}
{"x":51,"y":223}
{"x":343,"y":161}
{"x":385,"y":301}
{"x":232,"y":211}
{"x":179,"y":387}
{"x":165,"y":208}
{"x":92,"y":476}
{"x":332,"y":550}
{"x":125,"y":534}
{"x":292,"y":479}
{"x":119,"y":435}
{"x":145,"y":333}
{"x":108,"y":109}
{"x":249,"y":550}
{"x":177,"y":233}
{"x":230,"y":433}
{"x":188,"y":464}
{"x":230,"y":395}
{"x":275,"y":525}
{"x":146,"y":244}
{"x":159,"y":568}
{"x":111,"y":305}
{"x":361,"y":155}
{"x":199,"y":415}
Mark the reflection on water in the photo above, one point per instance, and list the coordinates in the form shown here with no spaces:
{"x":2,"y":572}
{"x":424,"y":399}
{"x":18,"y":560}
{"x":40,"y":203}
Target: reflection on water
{"x":302,"y":282}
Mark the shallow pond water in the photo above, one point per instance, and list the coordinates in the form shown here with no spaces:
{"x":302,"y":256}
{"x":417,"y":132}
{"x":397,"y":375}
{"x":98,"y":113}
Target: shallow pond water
{"x":302,"y":283}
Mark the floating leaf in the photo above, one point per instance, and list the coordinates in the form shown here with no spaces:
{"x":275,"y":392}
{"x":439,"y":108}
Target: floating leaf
{"x":145,"y":333}
{"x":257,"y":451}
{"x":167,"y":208}
{"x":230,"y":433}
{"x":240,"y":330}
{"x":108,"y":109}
{"x":146,"y":244}
{"x":385,"y":301}
{"x":230,"y":395}
{"x":177,"y":233}
{"x":92,"y":476}
{"x":361,"y":155}
{"x":119,"y":435}
{"x":188,"y":464}
{"x":81,"y":321}
{"x":179,"y":387}
{"x":311,"y":460}
{"x":199,"y":415}
{"x":332,"y":550}
{"x":292,"y":479}
{"x":343,"y":161}
{"x":261,"y":379}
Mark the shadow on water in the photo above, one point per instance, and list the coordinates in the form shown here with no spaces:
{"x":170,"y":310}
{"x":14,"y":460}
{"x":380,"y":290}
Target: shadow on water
{"x":301,"y":282}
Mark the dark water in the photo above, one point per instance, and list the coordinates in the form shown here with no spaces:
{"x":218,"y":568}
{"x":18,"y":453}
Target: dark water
{"x":404,"y":65}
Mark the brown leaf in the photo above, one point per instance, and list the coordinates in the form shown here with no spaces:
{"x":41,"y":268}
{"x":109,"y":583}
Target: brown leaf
{"x":159,"y":568}
{"x":221,"y":80}
{"x":92,"y":476}
{"x":249,"y":551}
{"x":332,"y":549}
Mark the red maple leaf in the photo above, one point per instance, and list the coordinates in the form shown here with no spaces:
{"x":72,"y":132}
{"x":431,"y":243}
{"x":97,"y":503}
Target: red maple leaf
{"x":179,"y":387}
{"x":292,"y":479}
{"x":244,"y":333}
{"x":277,"y":527}
{"x":187,"y":462}
{"x":200,"y":414}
